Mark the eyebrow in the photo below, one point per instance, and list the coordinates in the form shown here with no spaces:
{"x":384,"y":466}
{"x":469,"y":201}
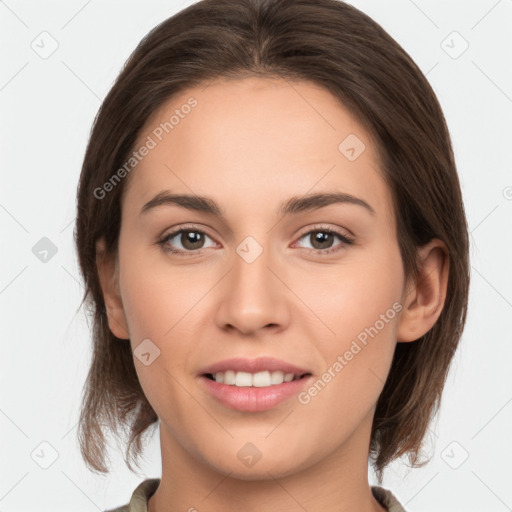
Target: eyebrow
{"x":293,"y":205}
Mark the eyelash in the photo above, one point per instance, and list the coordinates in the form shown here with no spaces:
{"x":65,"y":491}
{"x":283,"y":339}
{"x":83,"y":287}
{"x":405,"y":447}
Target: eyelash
{"x":345,"y":239}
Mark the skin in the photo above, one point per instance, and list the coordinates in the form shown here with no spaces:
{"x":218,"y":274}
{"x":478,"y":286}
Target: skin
{"x":250,"y":144}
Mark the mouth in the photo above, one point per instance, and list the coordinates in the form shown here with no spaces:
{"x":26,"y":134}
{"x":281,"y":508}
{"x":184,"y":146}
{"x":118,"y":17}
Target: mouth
{"x":260,"y":379}
{"x":253,"y":385}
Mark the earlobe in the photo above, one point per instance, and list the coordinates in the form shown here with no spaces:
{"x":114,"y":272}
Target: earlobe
{"x":107,"y":274}
{"x":425,"y":298}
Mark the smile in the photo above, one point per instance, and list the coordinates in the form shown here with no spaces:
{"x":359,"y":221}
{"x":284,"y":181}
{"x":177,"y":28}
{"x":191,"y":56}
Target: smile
{"x":258,"y":380}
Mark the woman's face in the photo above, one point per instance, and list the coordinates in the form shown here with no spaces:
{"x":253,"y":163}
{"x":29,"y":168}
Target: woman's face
{"x":264,"y":269}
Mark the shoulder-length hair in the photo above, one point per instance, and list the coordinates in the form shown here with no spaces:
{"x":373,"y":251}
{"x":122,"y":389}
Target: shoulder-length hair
{"x":339,"y":48}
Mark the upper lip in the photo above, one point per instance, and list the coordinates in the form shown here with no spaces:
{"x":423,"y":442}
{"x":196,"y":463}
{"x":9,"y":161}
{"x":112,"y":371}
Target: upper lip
{"x":260,"y":364}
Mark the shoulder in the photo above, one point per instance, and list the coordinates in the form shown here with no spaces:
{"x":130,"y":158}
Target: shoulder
{"x":387,"y":499}
{"x":140,"y":496}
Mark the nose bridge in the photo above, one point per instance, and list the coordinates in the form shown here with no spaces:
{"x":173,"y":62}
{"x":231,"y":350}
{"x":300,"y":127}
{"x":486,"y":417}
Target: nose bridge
{"x":251,"y":297}
{"x":251,"y":260}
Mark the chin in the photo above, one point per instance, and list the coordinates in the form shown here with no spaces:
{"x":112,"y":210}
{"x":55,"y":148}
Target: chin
{"x":277,"y":467}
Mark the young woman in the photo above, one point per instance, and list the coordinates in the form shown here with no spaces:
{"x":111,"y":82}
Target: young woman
{"x":273,"y":241}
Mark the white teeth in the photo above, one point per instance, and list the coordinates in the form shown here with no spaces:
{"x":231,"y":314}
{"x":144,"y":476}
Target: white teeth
{"x":243,"y":379}
{"x":258,"y":380}
{"x":229,"y":377}
{"x":261,"y":379}
{"x":277,"y":377}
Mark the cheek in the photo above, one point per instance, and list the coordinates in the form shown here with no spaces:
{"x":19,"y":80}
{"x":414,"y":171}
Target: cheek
{"x":159,"y":306}
{"x":353,"y":295}
{"x":357,"y":315}
{"x":157,"y":299}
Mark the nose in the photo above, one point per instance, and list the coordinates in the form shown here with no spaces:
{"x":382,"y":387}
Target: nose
{"x":253,"y":298}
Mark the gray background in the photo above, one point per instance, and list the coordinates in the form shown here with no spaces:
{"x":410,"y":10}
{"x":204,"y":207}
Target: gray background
{"x":48,"y":104}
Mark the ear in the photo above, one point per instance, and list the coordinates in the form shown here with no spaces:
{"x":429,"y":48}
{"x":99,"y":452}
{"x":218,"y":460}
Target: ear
{"x":109,"y":281}
{"x":424,"y":299}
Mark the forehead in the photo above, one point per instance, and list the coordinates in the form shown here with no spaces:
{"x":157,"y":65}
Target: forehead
{"x":256,"y":136}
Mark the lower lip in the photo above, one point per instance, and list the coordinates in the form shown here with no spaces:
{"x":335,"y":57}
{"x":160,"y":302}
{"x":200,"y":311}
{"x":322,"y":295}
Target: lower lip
{"x":252,"y":399}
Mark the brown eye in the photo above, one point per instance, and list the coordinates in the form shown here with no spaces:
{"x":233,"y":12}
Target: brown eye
{"x":185,"y":241}
{"x":191,"y":240}
{"x":322,"y":240}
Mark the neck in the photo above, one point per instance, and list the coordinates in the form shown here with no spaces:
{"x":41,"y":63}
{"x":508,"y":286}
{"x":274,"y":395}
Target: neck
{"x":336,"y":483}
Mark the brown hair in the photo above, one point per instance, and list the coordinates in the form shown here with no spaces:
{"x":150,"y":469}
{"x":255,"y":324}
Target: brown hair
{"x":336,"y":46}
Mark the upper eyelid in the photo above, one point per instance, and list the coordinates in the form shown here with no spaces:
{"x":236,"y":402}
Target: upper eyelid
{"x":181,"y":229}
{"x":320,"y":227}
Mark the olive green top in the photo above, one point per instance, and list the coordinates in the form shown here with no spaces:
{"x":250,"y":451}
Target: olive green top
{"x":144,"y":491}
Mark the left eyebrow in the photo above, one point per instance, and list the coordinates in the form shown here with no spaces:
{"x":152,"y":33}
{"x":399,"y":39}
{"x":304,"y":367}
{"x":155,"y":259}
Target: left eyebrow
{"x":293,"y":205}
